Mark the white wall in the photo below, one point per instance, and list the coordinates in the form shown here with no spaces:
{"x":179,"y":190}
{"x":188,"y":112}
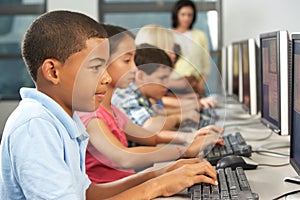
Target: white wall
{"x":244,"y":19}
{"x":88,"y":7}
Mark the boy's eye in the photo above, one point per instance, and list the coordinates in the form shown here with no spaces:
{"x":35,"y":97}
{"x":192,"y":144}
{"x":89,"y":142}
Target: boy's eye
{"x":95,"y":67}
{"x":96,"y":63}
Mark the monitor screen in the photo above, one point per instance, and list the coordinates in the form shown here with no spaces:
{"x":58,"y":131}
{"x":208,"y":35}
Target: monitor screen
{"x":274,"y":53}
{"x":250,"y":74}
{"x":236,"y":71}
{"x":224,"y":68}
{"x":246,"y":78}
{"x":229,"y":71}
{"x":295,"y":132}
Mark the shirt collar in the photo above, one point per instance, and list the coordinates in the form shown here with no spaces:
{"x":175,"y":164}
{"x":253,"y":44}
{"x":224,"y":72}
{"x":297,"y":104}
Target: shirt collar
{"x":74,"y":126}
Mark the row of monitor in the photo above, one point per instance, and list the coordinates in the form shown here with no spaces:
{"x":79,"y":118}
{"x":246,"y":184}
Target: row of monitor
{"x":258,"y":76}
{"x":265,"y":77}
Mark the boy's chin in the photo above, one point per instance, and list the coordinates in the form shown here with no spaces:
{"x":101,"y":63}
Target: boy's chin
{"x":89,"y":109}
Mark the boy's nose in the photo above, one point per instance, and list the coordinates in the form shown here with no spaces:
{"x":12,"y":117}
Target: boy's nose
{"x":106,"y":78}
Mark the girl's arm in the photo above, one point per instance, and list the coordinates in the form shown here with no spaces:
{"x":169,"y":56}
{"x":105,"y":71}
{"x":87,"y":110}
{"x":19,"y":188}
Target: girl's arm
{"x":162,"y":122}
{"x":141,"y":135}
{"x":135,"y":157}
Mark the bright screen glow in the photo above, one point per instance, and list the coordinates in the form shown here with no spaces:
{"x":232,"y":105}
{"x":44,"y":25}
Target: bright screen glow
{"x":270,"y":81}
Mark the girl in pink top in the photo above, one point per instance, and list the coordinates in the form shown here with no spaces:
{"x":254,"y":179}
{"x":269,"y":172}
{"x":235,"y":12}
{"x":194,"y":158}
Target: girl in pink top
{"x":108,"y":128}
{"x":99,"y":168}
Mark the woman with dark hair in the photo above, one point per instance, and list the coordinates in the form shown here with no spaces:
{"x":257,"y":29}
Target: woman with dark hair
{"x":194,"y":64}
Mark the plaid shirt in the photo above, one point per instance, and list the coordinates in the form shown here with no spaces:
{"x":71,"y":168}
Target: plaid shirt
{"x":135,"y":105}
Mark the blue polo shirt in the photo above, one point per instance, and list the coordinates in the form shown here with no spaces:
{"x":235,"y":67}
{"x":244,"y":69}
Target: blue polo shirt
{"x":42,"y":151}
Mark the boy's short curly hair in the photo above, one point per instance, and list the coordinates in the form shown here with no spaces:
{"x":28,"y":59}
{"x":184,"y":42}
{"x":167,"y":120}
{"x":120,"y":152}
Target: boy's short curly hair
{"x":58,"y":35}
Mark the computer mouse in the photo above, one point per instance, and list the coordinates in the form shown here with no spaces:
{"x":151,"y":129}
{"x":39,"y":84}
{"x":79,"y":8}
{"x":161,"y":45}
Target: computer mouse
{"x":234,"y":161}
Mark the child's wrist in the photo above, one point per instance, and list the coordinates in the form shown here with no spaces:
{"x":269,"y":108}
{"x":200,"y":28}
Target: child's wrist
{"x":181,"y":151}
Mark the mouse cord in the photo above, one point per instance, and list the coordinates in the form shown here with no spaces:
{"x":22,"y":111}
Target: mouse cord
{"x":266,"y":149}
{"x":271,"y":165}
{"x":264,"y":152}
{"x":239,"y":129}
{"x":247,"y":123}
{"x":286,"y":194}
{"x":263,"y":138}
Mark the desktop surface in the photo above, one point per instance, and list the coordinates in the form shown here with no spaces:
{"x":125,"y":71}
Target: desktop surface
{"x":268,"y":182}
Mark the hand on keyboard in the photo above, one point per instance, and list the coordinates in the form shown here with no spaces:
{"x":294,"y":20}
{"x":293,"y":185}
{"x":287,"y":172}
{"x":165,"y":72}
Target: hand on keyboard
{"x":203,"y":138}
{"x":186,"y":174}
{"x":233,"y":184}
{"x":234,"y":145}
{"x":209,"y":102}
{"x":210,"y":129}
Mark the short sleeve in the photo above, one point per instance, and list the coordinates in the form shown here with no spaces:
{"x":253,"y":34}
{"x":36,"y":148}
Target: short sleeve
{"x":120,"y":117}
{"x":86,"y":117}
{"x":40,"y":172}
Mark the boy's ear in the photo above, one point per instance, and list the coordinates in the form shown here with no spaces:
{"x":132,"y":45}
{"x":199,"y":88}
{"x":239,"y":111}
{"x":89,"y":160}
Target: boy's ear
{"x":50,"y":70}
{"x":140,"y":76}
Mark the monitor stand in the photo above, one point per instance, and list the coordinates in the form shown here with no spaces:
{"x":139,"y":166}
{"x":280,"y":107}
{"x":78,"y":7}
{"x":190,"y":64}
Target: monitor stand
{"x":294,"y":179}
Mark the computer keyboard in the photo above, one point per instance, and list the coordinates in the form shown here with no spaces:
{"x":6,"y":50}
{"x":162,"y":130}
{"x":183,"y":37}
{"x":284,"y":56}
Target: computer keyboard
{"x":234,"y":144}
{"x":233,"y":185}
{"x":190,"y":125}
{"x":210,"y":112}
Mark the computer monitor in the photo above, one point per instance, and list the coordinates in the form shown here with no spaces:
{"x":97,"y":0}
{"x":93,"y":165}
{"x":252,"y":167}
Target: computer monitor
{"x":224,"y":68}
{"x":229,"y":72}
{"x":250,"y":76}
{"x":275,"y":72}
{"x":295,"y":126}
{"x":237,"y":82}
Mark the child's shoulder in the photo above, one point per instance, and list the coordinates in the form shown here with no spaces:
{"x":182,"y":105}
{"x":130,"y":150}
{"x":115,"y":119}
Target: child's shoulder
{"x":27,"y":110}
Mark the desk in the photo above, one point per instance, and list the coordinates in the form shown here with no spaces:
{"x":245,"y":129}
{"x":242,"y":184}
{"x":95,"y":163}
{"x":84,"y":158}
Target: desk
{"x":267,"y":182}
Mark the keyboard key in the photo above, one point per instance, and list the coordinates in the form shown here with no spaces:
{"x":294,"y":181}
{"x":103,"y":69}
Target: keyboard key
{"x":234,"y":144}
{"x":233,"y":185}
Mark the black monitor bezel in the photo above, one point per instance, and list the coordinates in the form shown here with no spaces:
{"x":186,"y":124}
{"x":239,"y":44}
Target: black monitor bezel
{"x":257,"y":84}
{"x":292,"y":160}
{"x":265,"y":121}
{"x":237,"y":43}
{"x":245,"y":107}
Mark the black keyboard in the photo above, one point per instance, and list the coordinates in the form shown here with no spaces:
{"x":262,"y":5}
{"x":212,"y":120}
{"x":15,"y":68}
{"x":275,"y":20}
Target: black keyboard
{"x":190,"y":125}
{"x":233,"y":185}
{"x":210,"y":112}
{"x":235,"y":144}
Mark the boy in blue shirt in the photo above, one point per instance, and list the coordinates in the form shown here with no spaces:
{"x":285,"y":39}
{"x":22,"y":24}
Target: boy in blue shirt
{"x":42,"y":152}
